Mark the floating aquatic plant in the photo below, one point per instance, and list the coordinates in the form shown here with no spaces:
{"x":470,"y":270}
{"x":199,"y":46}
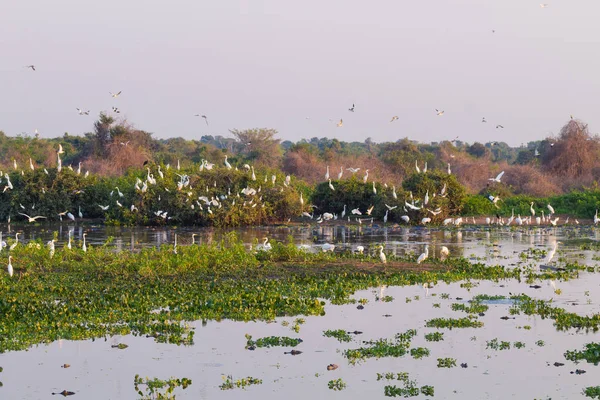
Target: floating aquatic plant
{"x":336,"y":384}
{"x":340,"y":334}
{"x":591,"y":354}
{"x":446,"y":362}
{"x":229,"y":383}
{"x":451,"y":323}
{"x":272,"y":341}
{"x":434,"y":336}
{"x":159,"y":389}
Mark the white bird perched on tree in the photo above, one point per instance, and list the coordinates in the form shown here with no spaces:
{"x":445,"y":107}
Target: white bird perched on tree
{"x":447,"y":221}
{"x":10,"y":267}
{"x":424,"y":255}
{"x":344,"y":211}
{"x":497,"y":178}
{"x":385,"y":217}
{"x":390,"y":207}
{"x":51,"y":247}
{"x":449,"y":170}
{"x":405,"y":218}
{"x":328,"y":247}
{"x":531,"y":210}
{"x":301,"y":200}
{"x":394,"y":195}
{"x":227,"y":165}
{"x":360,"y":249}
{"x":353,"y":170}
{"x":366,"y":176}
{"x":327,"y":173}
{"x":370,"y":210}
{"x":425,"y":220}
{"x":104,"y":208}
{"x":374,"y":188}
{"x":551,"y":209}
{"x":382,"y":255}
{"x":596,"y":219}
{"x":417,"y":167}
{"x":341,"y":173}
{"x":84,"y":247}
{"x":331,"y":185}
{"x":356,"y":211}
{"x":425,"y":168}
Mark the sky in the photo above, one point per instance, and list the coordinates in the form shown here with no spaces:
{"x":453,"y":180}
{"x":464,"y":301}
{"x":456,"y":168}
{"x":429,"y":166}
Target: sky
{"x":299,"y":66}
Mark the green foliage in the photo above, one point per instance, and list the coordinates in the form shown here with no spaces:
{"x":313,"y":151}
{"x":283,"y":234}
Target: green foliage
{"x":397,"y":347}
{"x":473,"y":308}
{"x":446,"y":362}
{"x":494,"y":344}
{"x":336,"y":384}
{"x":407,"y":388}
{"x":159,"y":389}
{"x":451,"y":323}
{"x":592,"y":392}
{"x":591,"y":354}
{"x":419,"y":352}
{"x":340,"y":334}
{"x":229,"y":383}
{"x":434,"y":336}
{"x":272,"y":341}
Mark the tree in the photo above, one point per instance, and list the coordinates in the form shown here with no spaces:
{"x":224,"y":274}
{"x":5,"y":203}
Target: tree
{"x":259,"y":146}
{"x":575,"y":152}
{"x":477,"y":150}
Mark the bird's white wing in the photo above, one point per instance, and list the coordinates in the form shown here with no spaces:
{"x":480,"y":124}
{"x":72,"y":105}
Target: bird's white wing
{"x":500,"y":176}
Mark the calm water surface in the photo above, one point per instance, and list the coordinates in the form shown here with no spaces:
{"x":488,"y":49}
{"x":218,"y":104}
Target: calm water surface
{"x":99,"y":372}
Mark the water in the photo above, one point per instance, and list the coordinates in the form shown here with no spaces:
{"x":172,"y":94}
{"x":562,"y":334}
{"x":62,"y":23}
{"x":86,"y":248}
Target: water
{"x":100,"y":372}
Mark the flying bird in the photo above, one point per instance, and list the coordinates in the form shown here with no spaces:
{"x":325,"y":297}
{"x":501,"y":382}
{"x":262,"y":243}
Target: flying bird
{"x":30,"y":66}
{"x":32,"y":219}
{"x":351,"y":109}
{"x":81,"y":112}
{"x":543,"y":5}
{"x":438,"y":112}
{"x":115,"y":95}
{"x":483,"y":119}
{"x":497,"y":178}
{"x":394,"y":118}
{"x":499,"y":126}
{"x":116,"y":110}
{"x":340,"y":124}
{"x":203,"y":116}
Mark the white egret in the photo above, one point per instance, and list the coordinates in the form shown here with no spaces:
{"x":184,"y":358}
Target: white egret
{"x":301,"y":200}
{"x":449,"y":170}
{"x":10,"y":267}
{"x":551,"y":252}
{"x":596,"y":219}
{"x":497,"y":178}
{"x":385,"y":217}
{"x":405,"y":218}
{"x":551,"y":209}
{"x":356,"y":211}
{"x":425,"y":220}
{"x":444,"y":252}
{"x":265,"y":246}
{"x":531,"y":210}
{"x":353,"y":170}
{"x":341,"y":173}
{"x":51,"y":247}
{"x":227,"y":165}
{"x":382,"y":255}
{"x":370,"y":210}
{"x":331,"y":185}
{"x":394,"y":195}
{"x":360,"y":249}
{"x":344,"y":211}
{"x":366,"y":176}
{"x":328,"y":247}
{"x":327,"y":173}
{"x":424,"y":255}
{"x":12,"y":246}
{"x":70,"y":237}
{"x":32,"y":219}
{"x":417,"y":167}
{"x":84,"y":247}
{"x":374,"y":188}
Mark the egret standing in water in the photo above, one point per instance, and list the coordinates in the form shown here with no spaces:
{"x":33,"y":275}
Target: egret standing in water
{"x":551,"y":252}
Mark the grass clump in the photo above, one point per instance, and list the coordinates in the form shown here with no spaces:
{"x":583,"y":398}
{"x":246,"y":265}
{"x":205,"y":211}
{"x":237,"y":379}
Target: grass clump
{"x":340,"y":334}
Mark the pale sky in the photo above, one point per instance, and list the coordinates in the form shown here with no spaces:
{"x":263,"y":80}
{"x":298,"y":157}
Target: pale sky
{"x":272,"y":63}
